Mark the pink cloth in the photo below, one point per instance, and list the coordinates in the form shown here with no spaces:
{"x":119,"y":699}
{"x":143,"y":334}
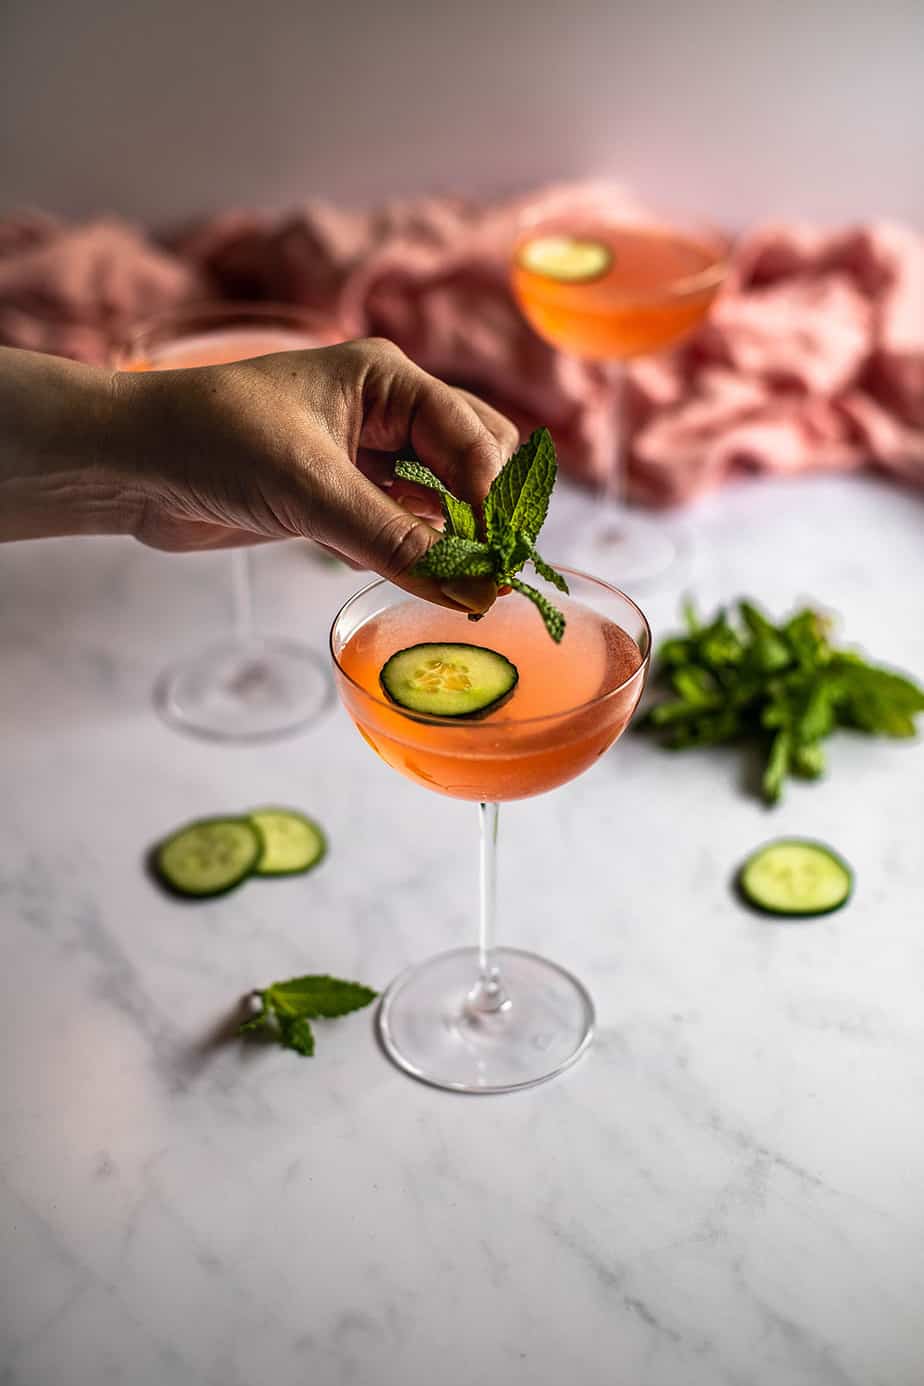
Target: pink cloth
{"x":813,"y":357}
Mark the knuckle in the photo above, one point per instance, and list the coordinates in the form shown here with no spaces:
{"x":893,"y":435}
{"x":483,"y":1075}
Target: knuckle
{"x":384,"y":346}
{"x":509,"y":437}
{"x":401,"y":541}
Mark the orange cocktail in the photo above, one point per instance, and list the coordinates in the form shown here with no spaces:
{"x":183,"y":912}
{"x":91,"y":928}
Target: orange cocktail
{"x":652,"y":286}
{"x":608,"y":288}
{"x":487,"y":1019}
{"x":571,"y":703}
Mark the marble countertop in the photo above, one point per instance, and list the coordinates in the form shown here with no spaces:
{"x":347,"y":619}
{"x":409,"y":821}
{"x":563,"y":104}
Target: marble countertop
{"x":726,"y":1191}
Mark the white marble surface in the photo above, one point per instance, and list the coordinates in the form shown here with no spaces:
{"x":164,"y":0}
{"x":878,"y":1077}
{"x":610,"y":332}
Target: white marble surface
{"x":726,"y":1192}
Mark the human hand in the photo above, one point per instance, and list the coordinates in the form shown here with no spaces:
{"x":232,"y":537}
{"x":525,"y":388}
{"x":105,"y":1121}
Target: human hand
{"x":302,"y":444}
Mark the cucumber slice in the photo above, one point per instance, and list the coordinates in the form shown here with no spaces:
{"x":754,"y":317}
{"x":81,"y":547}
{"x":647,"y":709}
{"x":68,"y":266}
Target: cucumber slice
{"x":208,"y":857}
{"x":449,"y":680}
{"x":568,"y":259}
{"x":795,"y":877}
{"x":292,"y":843}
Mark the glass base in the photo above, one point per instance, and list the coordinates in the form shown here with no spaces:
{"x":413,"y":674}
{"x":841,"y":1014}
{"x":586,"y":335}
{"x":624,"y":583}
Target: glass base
{"x":628,"y":549}
{"x":245,"y":690}
{"x":430,"y":1023}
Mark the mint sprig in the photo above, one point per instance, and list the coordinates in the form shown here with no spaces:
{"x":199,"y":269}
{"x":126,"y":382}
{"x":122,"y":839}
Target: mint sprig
{"x":286,"y":1008}
{"x":515,"y":509}
{"x":518,"y":500}
{"x":783,"y":687}
{"x":554,"y":620}
{"x":458,"y":514}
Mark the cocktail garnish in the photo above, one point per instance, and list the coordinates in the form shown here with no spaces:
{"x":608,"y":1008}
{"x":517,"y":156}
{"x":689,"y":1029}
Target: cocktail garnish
{"x":286,"y":1008}
{"x":567,"y":259}
{"x":514,"y":512}
{"x":449,"y":680}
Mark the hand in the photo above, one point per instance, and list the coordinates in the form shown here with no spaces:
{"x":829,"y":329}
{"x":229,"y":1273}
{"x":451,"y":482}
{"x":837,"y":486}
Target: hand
{"x":303,"y":444}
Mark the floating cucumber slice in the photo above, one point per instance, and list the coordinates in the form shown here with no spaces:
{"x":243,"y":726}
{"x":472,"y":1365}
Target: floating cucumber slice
{"x":292,"y":843}
{"x":795,"y":877}
{"x":449,"y":680}
{"x":566,"y":258}
{"x":208,"y":857}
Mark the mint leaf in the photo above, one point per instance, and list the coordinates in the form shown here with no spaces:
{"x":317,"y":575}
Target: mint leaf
{"x":690,"y":617}
{"x":697,"y":687}
{"x":783,"y":686}
{"x":289,"y":1006}
{"x":554,"y":620}
{"x":777,"y":766}
{"x":546,"y":570}
{"x":519,"y":494}
{"x":420,"y":474}
{"x":514,"y":512}
{"x":452,"y":557}
{"x":297,"y":1035}
{"x":316,"y":997}
{"x":512,"y":550}
{"x":808,"y":762}
{"x":817,"y":717}
{"x":458,"y":514}
{"x":806,"y":635}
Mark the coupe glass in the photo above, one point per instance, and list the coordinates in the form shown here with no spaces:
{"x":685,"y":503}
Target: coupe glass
{"x":486,"y":1019}
{"x":657,"y":286}
{"x":249,"y":686}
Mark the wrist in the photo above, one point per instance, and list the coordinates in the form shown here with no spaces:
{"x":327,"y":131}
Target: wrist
{"x":66,"y":450}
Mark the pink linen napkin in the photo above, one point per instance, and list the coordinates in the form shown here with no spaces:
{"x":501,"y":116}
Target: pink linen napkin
{"x":75,"y":290}
{"x":813,"y":357}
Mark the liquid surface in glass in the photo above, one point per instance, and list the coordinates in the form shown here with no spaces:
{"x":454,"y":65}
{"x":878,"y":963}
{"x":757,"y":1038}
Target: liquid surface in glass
{"x":508,"y":753}
{"x":658,"y":286}
{"x":218,"y":348}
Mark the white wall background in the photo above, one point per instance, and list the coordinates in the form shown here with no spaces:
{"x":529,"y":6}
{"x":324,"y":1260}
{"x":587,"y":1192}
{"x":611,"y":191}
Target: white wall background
{"x":736,"y":110}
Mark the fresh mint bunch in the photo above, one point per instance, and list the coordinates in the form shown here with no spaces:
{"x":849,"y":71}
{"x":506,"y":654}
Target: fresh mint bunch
{"x":286,"y":1008}
{"x":785,"y":687}
{"x":514,"y":512}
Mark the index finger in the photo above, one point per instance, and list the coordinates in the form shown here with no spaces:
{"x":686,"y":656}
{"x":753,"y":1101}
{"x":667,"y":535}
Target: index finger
{"x":404,"y":406}
{"x":449,"y":435}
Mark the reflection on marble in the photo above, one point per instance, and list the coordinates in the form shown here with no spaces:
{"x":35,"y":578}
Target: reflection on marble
{"x":726,"y":1192}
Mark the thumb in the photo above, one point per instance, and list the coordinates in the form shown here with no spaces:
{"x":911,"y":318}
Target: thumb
{"x":351,"y":515}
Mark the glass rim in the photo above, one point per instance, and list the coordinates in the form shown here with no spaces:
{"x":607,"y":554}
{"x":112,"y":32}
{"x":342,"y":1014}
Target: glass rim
{"x":713,"y":275}
{"x":475,"y":724}
{"x":221,"y":310}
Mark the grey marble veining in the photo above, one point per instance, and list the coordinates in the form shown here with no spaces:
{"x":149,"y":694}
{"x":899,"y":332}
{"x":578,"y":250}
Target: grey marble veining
{"x":725,"y":1192}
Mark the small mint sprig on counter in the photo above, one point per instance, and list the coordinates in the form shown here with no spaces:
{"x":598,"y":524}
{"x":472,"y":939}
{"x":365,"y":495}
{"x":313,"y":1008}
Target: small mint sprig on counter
{"x":287,"y":1008}
{"x":515,"y":509}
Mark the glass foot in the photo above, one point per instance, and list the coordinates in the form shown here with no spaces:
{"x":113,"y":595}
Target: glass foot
{"x":430,"y":1023}
{"x":629,"y":550}
{"x":252,"y":690}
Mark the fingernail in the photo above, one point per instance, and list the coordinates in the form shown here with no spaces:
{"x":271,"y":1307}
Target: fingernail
{"x":475,"y":594}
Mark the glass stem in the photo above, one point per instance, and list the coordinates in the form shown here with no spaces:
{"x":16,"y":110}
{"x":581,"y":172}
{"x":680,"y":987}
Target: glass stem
{"x":487,"y":995}
{"x":614,"y":487}
{"x":242,"y":592}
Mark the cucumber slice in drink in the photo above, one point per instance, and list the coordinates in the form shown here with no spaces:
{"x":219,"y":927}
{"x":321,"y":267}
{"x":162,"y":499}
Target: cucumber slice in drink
{"x":208,"y":857}
{"x":568,"y":259}
{"x":292,"y":843}
{"x":796,"y":878}
{"x":449,"y":680}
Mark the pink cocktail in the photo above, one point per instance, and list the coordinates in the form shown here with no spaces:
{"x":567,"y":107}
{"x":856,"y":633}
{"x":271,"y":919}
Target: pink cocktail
{"x":487,"y":1019}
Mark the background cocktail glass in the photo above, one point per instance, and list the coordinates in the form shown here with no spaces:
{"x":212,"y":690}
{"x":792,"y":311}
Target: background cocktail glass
{"x":248,"y":686}
{"x":483,"y":1018}
{"x":658,"y":286}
